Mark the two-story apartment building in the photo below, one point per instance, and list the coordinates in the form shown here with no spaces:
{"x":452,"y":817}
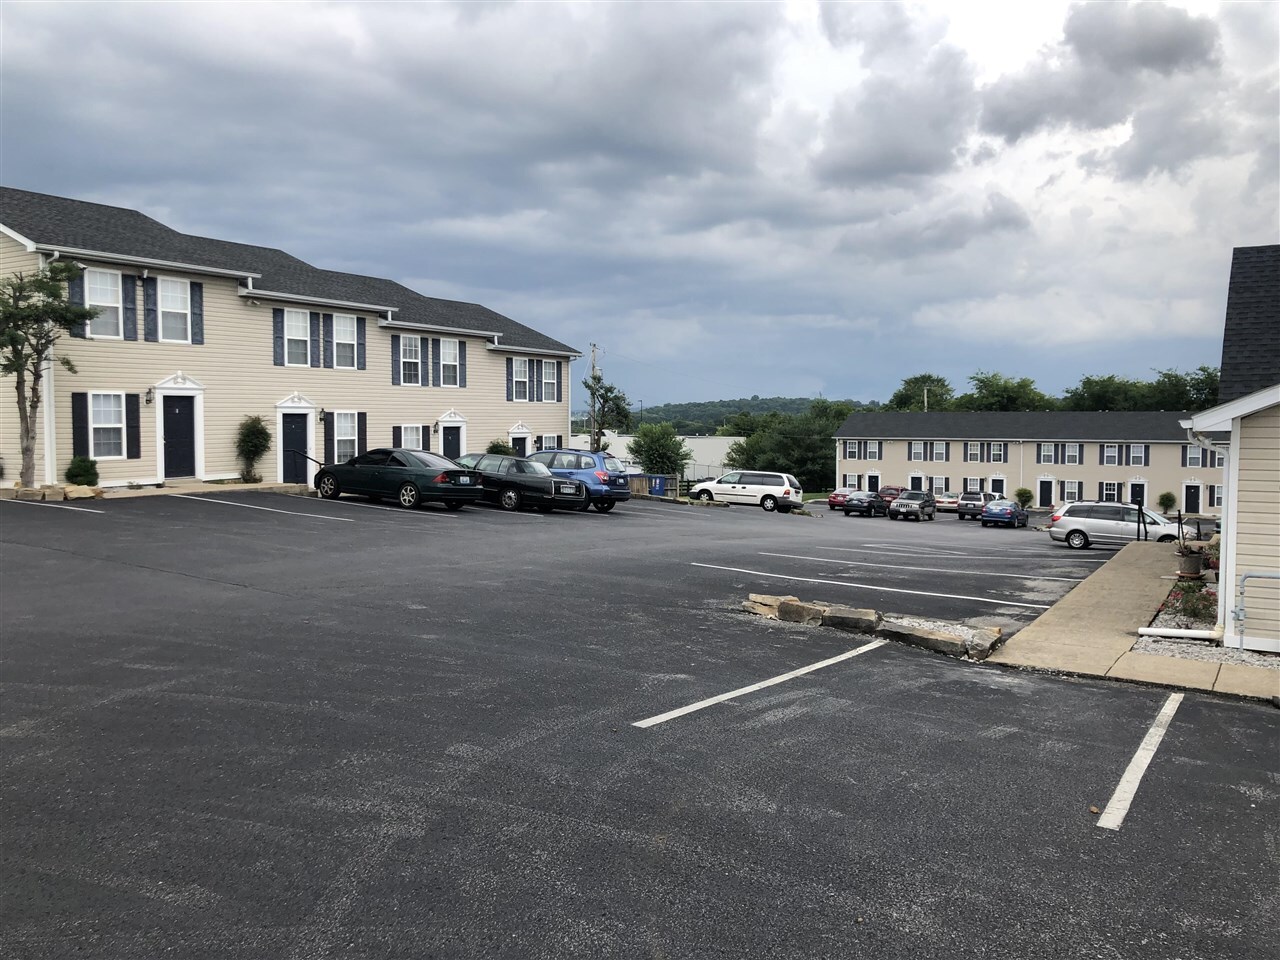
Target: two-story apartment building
{"x":194,"y":334}
{"x":1059,"y":456}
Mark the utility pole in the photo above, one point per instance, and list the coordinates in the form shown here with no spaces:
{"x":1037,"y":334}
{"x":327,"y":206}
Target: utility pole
{"x":595,"y":436}
{"x":926,"y":399}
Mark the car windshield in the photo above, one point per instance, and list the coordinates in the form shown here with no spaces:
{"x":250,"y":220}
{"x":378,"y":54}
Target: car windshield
{"x":532,"y":467}
{"x":912,"y":495}
{"x":1000,"y":504}
{"x":432,"y":461}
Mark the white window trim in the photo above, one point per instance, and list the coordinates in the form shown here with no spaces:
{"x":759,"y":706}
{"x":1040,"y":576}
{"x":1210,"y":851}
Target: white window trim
{"x":1116,"y":491}
{"x":1072,"y":451}
{"x":549,"y":381}
{"x":1199,"y":453}
{"x":355,"y":337}
{"x":119,"y":305}
{"x":1111,"y":450}
{"x":1067,"y":490}
{"x":851,"y":480}
{"x":1002,"y":458}
{"x":938,"y":452}
{"x":516,"y":380}
{"x":548,"y":441}
{"x":294,"y":403}
{"x":404,"y":441}
{"x":879,"y":449}
{"x":181,"y":385}
{"x":306,"y":340}
{"x":355,"y":433}
{"x":973,"y":451}
{"x":1141,"y":451}
{"x":1041,"y":455}
{"x":972,"y":485}
{"x":161,"y":311}
{"x":452,"y":418}
{"x":848,"y":446}
{"x":404,"y":381}
{"x":911,"y":452}
{"x":457,"y":366}
{"x":123,"y":427}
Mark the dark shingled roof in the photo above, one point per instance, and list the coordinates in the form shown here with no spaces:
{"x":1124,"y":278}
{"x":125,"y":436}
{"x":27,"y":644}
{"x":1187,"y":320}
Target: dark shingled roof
{"x":60,"y":222}
{"x":1251,"y":339}
{"x":1111,"y":426}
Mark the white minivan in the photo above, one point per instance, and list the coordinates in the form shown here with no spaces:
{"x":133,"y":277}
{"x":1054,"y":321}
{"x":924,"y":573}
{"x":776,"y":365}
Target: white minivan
{"x":771,"y":491}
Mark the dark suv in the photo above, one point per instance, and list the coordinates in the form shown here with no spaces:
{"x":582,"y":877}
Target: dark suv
{"x":914,"y":505}
{"x":601,"y":473}
{"x":970,"y":505}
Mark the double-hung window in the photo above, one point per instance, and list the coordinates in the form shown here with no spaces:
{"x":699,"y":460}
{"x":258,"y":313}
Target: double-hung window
{"x":344,"y":436}
{"x":972,"y":484}
{"x":106,"y":425}
{"x":549,"y":441}
{"x":1215,"y":495}
{"x":1138,"y":454}
{"x":874,"y":448}
{"x":1110,"y":454}
{"x":917,"y":450}
{"x":344,"y":341}
{"x":411,"y":436}
{"x":1072,"y":453}
{"x":1044,"y":453}
{"x":1071,"y":490}
{"x":850,"y":450}
{"x":520,"y":379}
{"x":1111,"y":492}
{"x":973,"y":452}
{"x":175,"y":311}
{"x":997,"y":453}
{"x":297,"y":341}
{"x":549,"y":383}
{"x":410,"y":360}
{"x":939,"y":450}
{"x":449,"y":363}
{"x":1193,"y":454}
{"x":939,"y":486}
{"x":102,"y":291}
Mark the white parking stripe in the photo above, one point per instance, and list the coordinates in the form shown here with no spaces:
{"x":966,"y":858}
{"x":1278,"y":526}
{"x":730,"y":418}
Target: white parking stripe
{"x":898,"y":566}
{"x":247,"y":506}
{"x":712,"y":701}
{"x":963,"y":556}
{"x":54,"y":506}
{"x":365,"y":505}
{"x":873,"y":586}
{"x":1118,"y":805}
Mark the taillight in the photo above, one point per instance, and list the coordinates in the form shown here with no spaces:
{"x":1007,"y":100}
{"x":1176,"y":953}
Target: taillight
{"x":602,"y":476}
{"x":786,"y":492}
{"x":1056,"y":517}
{"x":441,"y":478}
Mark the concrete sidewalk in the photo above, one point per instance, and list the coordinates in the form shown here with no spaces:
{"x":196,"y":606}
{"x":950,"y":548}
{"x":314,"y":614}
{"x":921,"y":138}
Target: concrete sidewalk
{"x":1091,"y":632}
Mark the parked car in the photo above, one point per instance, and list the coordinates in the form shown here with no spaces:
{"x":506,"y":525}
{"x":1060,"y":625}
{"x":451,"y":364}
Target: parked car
{"x":837,"y":497}
{"x":603,"y":474}
{"x":413,"y":477}
{"x":772,"y":491}
{"x":868,"y":503}
{"x":1083,"y":523}
{"x":1006,"y":512}
{"x":515,"y":482}
{"x":947,"y":502}
{"x":971,"y":504}
{"x":890,"y":493}
{"x":913,"y":505}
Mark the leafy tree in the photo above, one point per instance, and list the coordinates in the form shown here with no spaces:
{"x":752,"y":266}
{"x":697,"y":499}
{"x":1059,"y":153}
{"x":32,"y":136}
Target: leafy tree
{"x":500,"y":447}
{"x":1172,"y":390}
{"x":911,"y":395}
{"x":609,"y":409}
{"x":1166,"y":501}
{"x":659,"y":450}
{"x":994,"y":391}
{"x":34,"y":314}
{"x":253,"y":440}
{"x":1024,"y":496}
{"x":800,"y":445}
{"x":1105,"y":393}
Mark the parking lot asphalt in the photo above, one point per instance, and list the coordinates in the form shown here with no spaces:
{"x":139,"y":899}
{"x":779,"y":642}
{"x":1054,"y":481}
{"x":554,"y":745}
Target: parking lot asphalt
{"x":259,"y":725}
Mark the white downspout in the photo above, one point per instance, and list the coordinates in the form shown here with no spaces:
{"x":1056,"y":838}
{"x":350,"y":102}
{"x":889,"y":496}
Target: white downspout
{"x":1226,"y":558}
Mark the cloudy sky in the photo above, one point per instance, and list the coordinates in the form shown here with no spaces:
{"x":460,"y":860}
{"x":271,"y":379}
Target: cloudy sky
{"x":792,"y":198}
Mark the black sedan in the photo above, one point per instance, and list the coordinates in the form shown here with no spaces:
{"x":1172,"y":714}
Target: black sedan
{"x":514,"y":482}
{"x":411,"y":476}
{"x":868,"y":503}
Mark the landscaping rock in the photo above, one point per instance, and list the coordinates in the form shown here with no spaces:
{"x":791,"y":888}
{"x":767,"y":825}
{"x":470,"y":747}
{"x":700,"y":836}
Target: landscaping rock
{"x":28,"y":493}
{"x":8,"y":493}
{"x":918,"y":636}
{"x":987,"y":639}
{"x":852,"y":619}
{"x":763,"y":604}
{"x":797,"y":611}
{"x":52,"y":491}
{"x":79,"y":492}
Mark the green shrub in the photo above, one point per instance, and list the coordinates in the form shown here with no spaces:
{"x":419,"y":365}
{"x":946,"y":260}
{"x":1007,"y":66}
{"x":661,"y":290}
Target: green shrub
{"x":253,"y":440}
{"x":1024,"y":497}
{"x":1194,"y":600}
{"x":1166,"y":501}
{"x":501,"y":448}
{"x":83,"y":472}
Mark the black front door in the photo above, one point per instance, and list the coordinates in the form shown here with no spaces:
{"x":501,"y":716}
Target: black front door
{"x":997,"y":486}
{"x":179,"y":436}
{"x":917,"y":483}
{"x":1138,"y":494}
{"x":452,"y":442}
{"x":520,"y":445}
{"x":873,"y":482}
{"x":1046,"y":494}
{"x":1191,"y":498}
{"x":293,"y":447}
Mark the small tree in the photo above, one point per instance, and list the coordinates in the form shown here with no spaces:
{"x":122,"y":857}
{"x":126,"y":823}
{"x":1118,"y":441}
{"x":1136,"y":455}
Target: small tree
{"x":609,"y":409}
{"x":253,"y":440}
{"x":82,"y":471}
{"x":500,"y":447}
{"x":35,"y":312}
{"x":659,"y":450}
{"x":1024,"y":497}
{"x":1167,"y":501}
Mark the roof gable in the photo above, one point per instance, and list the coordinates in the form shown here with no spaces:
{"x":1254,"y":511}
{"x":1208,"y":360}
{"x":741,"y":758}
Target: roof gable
{"x":1251,"y":336}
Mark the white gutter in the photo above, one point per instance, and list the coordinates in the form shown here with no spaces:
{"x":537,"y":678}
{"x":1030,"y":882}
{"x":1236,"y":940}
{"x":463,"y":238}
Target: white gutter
{"x":102,"y":255}
{"x":502,"y":348}
{"x":254,"y":294}
{"x":436,"y":328}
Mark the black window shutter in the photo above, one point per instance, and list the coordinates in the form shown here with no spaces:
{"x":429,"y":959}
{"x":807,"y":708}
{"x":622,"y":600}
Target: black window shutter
{"x":395,"y":361}
{"x":1184,"y":454}
{"x":129,"y":300}
{"x":1102,"y":456}
{"x":79,"y":424}
{"x":1146,"y":455}
{"x":75,"y":296}
{"x":328,"y":439}
{"x":511,"y":393}
{"x":1100,"y":490}
{"x":132,"y":437}
{"x":326,"y":333}
{"x":315,"y":339}
{"x":537,"y":443}
{"x":559,"y":381}
{"x":360,"y":351}
{"x":462,"y":363}
{"x":435,"y":361}
{"x":982,"y":484}
{"x":559,"y":436}
{"x":1128,"y":455}
{"x":362,"y":432}
{"x":426,"y":436}
{"x":150,"y":310}
{"x":537,"y":372}
{"x":396,"y":436}
{"x":277,"y":337}
{"x":946,"y":451}
{"x":197,"y":313}
{"x":1062,"y":491}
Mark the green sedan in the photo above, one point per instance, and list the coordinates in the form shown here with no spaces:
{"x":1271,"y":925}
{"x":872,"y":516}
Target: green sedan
{"x":413,"y":477}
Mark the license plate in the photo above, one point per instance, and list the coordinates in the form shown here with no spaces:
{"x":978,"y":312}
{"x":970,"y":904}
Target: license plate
{"x":568,"y":488}
{"x":464,"y":479}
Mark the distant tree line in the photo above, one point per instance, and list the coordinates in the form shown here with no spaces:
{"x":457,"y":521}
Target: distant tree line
{"x":1170,"y":390}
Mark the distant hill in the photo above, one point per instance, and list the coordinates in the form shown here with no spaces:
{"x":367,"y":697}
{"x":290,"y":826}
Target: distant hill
{"x":708,"y":416}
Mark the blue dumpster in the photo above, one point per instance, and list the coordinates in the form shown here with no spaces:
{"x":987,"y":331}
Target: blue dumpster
{"x":658,"y":486}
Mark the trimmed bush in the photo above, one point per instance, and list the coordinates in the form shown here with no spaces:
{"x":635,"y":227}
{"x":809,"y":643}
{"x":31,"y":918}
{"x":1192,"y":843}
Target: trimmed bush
{"x":1024,"y":497}
{"x":1166,"y":501}
{"x":83,"y":472}
{"x":501,"y":448}
{"x":253,"y":440}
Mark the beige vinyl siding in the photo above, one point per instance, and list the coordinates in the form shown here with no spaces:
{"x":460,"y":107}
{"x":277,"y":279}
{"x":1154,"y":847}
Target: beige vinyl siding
{"x":1258,"y":524}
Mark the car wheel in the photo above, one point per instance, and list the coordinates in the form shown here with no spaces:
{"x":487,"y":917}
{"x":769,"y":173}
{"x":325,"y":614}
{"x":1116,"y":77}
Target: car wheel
{"x":453,"y":504}
{"x":1166,"y":540}
{"x":705,"y":496}
{"x":959,"y":516}
{"x":604,"y":506}
{"x":830,"y":506}
{"x":1077,"y":540}
{"x":408,"y":495}
{"x":768,"y":504}
{"x":509,"y":498}
{"x":327,"y":486}
{"x":985,"y":523}
{"x":586,"y":501}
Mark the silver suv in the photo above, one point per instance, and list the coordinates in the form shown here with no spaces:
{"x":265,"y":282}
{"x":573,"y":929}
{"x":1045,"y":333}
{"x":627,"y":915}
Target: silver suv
{"x":1082,"y":523}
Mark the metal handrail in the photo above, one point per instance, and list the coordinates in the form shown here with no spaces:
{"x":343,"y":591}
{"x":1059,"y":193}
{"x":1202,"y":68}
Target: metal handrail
{"x":1239,"y":612}
{"x":302,"y":453}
